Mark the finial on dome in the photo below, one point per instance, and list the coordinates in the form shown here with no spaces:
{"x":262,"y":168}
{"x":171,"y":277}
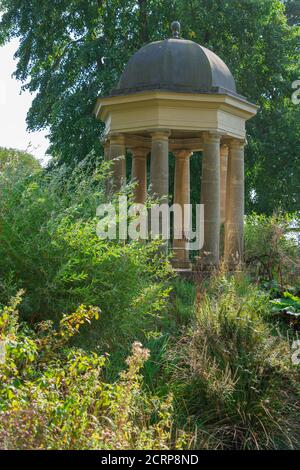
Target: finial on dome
{"x":175,"y":26}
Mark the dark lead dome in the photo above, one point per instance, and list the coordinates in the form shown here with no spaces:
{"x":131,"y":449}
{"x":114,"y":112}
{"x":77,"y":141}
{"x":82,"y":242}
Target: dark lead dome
{"x":177,"y":65}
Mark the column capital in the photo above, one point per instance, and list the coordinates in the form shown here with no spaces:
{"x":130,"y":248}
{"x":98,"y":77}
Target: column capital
{"x":116,"y":138}
{"x":211,"y":137}
{"x":224,"y":146}
{"x":139,"y":152}
{"x":224,"y":150}
{"x":160,"y":134}
{"x":237,"y":143}
{"x":182,"y":153}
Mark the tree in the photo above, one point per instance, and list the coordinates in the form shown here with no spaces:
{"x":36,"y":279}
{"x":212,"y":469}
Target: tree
{"x":293,"y":11}
{"x":261,"y":50}
{"x":17,"y":158}
{"x":71,"y":51}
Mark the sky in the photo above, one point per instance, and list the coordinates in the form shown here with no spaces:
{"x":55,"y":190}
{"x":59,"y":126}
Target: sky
{"x":13,"y":109}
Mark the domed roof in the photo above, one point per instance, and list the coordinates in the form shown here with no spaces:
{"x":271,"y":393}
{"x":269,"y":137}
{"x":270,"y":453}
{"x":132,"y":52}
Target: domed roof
{"x":177,"y":65}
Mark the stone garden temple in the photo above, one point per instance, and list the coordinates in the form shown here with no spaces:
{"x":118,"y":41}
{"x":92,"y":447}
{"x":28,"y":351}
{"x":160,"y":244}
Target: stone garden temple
{"x":178,"y":97}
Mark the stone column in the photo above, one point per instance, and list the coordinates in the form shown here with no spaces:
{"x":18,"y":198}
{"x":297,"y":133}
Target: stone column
{"x":159,"y":168}
{"x":210,"y":197}
{"x":118,"y":154}
{"x":223,"y":177}
{"x":139,"y":174}
{"x":159,"y":175}
{"x":234,"y":224}
{"x":106,"y":147}
{"x":181,"y":198}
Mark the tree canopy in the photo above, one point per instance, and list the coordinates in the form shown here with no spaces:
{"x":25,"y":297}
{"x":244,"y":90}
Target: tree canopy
{"x":293,"y":11}
{"x":72,"y":51}
{"x":12,"y":158}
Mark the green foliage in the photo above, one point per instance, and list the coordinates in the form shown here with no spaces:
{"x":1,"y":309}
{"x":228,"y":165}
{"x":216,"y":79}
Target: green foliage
{"x":11,"y":160}
{"x":53,"y":396}
{"x":288,"y":307}
{"x":288,"y":301}
{"x":219,"y":369}
{"x":271,"y":248}
{"x":72,"y":51}
{"x":293,"y":11}
{"x":63,"y":384}
{"x":232,"y":373}
{"x":183,"y":300}
{"x":49,"y":247}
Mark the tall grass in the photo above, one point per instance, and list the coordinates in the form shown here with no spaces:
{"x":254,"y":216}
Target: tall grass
{"x":232,"y":373}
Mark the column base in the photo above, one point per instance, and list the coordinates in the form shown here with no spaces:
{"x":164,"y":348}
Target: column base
{"x":205,"y":264}
{"x":181,"y":258}
{"x":231,"y":266}
{"x":178,"y":264}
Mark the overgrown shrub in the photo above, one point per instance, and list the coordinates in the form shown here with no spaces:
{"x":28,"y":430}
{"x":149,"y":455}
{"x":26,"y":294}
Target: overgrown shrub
{"x":12,"y":159}
{"x":53,"y":396}
{"x":49,"y":248}
{"x":233,"y":375}
{"x":272,"y":250}
{"x":214,"y":347}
